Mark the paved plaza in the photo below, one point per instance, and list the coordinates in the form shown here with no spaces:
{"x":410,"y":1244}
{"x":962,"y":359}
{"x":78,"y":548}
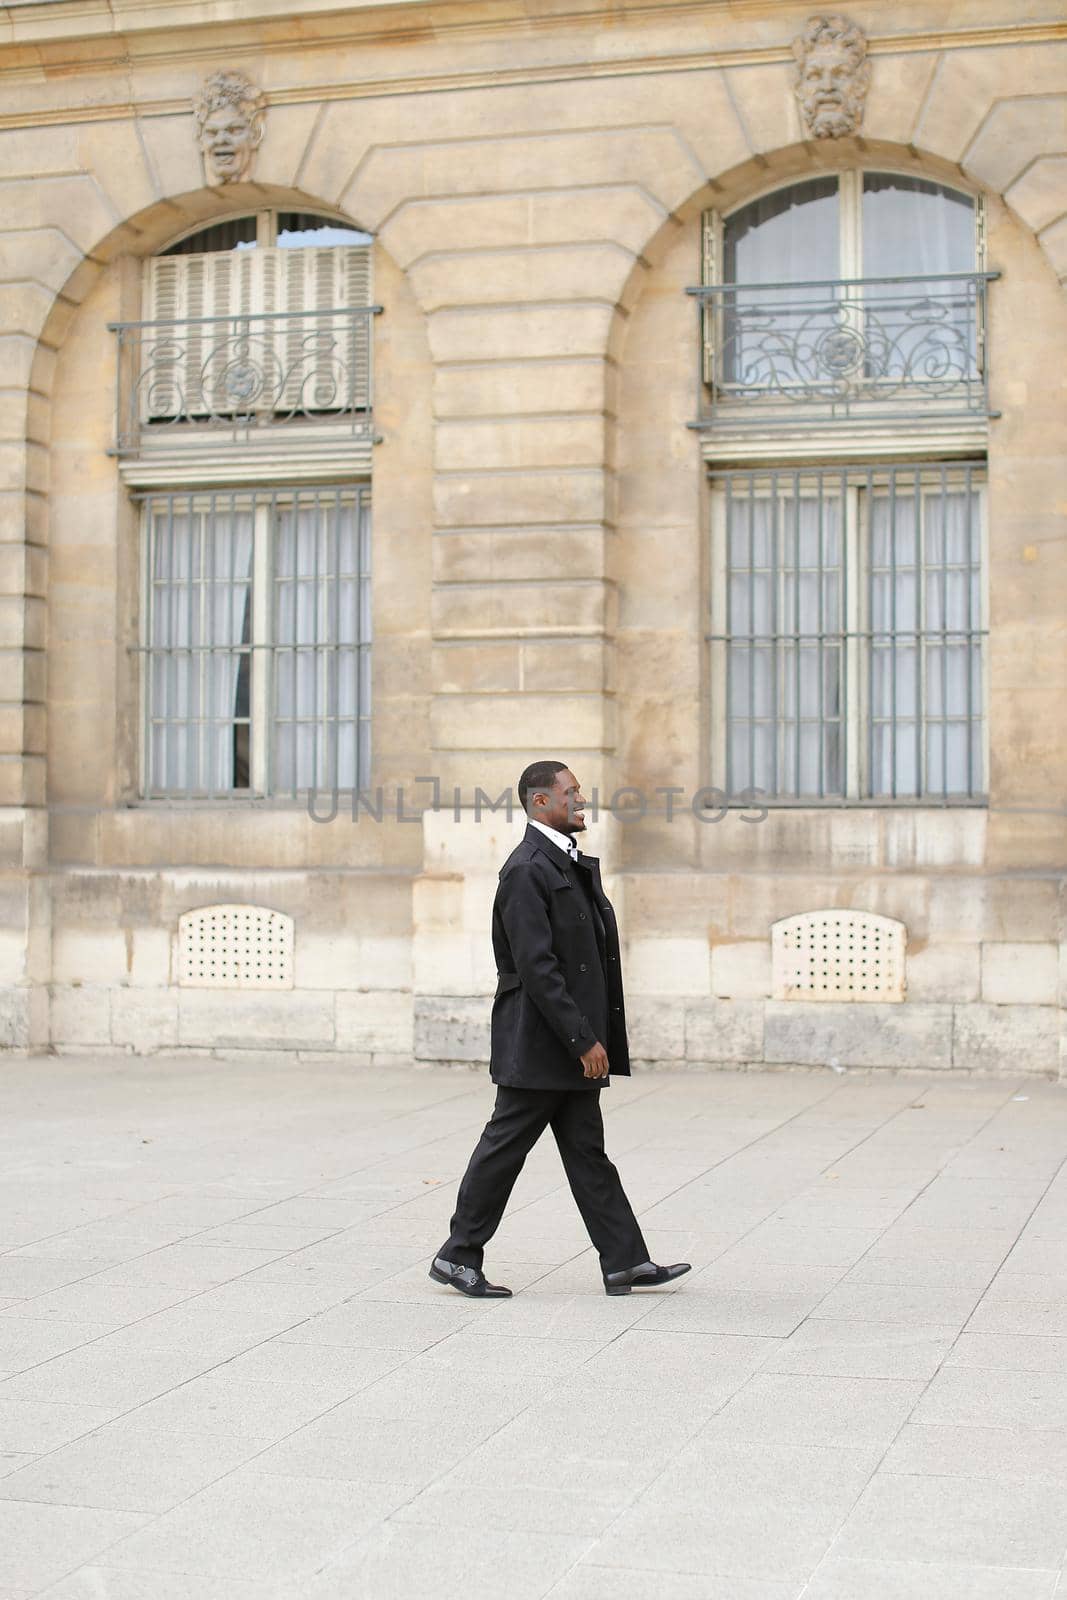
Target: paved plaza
{"x":227,"y":1376}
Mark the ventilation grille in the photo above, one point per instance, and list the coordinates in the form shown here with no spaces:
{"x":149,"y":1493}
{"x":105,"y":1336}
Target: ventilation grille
{"x":235,"y":947}
{"x":837,"y":955}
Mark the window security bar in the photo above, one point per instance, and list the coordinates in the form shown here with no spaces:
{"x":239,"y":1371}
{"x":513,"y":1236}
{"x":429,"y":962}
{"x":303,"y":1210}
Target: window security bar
{"x":848,"y":619}
{"x":865,"y":351}
{"x":256,"y":640}
{"x":244,"y":374}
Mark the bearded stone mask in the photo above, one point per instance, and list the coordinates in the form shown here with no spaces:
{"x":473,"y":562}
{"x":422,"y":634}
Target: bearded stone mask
{"x":832,"y":76}
{"x":229,"y":116}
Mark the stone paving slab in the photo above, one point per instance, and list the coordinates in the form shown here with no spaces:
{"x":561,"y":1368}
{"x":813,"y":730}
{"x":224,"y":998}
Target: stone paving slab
{"x":225,"y":1374}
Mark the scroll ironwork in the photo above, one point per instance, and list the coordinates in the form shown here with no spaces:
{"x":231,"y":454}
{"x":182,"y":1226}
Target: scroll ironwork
{"x":244,"y":373}
{"x":846,"y":350}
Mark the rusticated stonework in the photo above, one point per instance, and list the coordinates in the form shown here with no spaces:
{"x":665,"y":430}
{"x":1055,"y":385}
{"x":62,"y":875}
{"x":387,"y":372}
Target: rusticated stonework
{"x":534,"y":178}
{"x":832,"y":76}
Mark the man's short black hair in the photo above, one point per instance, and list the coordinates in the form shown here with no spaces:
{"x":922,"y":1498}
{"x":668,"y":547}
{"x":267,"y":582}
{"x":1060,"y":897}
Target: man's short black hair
{"x":538,"y":775}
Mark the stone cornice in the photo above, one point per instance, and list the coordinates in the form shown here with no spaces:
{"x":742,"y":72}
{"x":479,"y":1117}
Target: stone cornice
{"x":207,"y":43}
{"x":41,"y":22}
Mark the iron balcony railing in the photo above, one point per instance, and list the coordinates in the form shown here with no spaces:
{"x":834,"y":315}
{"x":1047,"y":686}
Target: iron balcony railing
{"x":861,"y":350}
{"x":243,"y":375}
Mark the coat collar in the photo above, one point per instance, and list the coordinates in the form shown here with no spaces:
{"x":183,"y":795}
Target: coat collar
{"x":535,"y":837}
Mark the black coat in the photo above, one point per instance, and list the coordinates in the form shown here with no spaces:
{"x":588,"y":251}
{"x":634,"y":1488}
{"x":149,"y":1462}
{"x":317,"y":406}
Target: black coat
{"x":559,"y":986}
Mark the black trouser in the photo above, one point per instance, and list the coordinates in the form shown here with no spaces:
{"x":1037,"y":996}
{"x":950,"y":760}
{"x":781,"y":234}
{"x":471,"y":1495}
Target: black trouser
{"x":519,"y":1119}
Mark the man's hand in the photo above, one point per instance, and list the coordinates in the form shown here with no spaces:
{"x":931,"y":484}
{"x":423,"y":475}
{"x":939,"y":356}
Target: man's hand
{"x":595,"y":1061}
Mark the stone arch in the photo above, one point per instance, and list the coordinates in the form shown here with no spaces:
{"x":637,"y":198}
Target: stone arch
{"x":760,"y":173}
{"x":401,"y":340}
{"x":660,"y":492}
{"x":147,"y":231}
{"x":81,"y":300}
{"x":995,"y":114}
{"x":793,"y":163}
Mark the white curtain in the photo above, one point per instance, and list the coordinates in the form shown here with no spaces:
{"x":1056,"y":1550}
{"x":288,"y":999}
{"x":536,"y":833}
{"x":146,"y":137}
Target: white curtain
{"x":912,"y":227}
{"x":322,"y":637}
{"x":790,"y":234}
{"x":895,"y":710}
{"x":925,"y":564}
{"x":201,"y":562}
{"x":785,"y":728}
{"x":785,"y":237}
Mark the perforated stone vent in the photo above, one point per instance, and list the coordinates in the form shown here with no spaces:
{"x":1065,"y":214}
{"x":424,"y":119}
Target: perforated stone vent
{"x":838,"y":955}
{"x":235,"y":947}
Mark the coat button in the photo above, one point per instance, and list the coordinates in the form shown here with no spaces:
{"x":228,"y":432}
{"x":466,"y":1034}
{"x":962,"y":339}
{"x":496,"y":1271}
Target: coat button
{"x":581,"y":916}
{"x":582,"y":966}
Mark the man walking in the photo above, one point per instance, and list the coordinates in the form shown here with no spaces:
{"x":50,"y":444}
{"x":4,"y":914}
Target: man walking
{"x":558,"y":1029}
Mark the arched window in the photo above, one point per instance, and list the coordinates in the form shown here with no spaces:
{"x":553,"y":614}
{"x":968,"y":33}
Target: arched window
{"x":245,"y":430}
{"x":854,"y":225}
{"x":843,"y":323}
{"x":847,"y":284}
{"x":257,"y":318}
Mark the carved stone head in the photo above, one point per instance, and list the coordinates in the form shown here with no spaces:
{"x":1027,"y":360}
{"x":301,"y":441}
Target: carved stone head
{"x":229,"y":116}
{"x":832,"y":76}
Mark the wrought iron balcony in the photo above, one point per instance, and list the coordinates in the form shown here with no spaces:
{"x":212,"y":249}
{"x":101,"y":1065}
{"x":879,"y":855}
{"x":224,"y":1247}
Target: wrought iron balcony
{"x":242,"y":379}
{"x":868,"y":352}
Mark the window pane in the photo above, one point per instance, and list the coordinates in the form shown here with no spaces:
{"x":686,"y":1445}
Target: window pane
{"x":924,"y":653}
{"x":903,"y":668}
{"x":299,"y":230}
{"x":321,"y":611}
{"x":198,"y":637}
{"x":785,"y":237}
{"x":783,"y":552}
{"x":911,"y":227}
{"x":894,"y":554}
{"x":237,"y":234}
{"x":200,"y":692}
{"x":792,"y":233}
{"x":923,"y":331}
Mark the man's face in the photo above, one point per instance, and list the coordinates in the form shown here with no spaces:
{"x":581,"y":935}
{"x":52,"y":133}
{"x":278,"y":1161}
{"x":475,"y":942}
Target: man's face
{"x":825,"y":88}
{"x":560,"y":807}
{"x":227,"y":139}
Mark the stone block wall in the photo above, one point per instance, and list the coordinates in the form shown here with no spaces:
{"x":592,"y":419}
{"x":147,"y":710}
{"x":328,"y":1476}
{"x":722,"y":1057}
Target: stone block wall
{"x":535,"y":184}
{"x":115,"y":966}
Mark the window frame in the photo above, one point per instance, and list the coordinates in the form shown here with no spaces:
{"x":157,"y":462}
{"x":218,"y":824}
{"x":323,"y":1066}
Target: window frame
{"x":263,"y":646}
{"x":856,"y":652}
{"x":266,"y":225}
{"x":715,"y":311}
{"x":849,"y":220}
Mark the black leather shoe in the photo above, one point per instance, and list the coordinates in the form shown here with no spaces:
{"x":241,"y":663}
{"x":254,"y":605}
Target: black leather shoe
{"x":468,"y":1280}
{"x":646,"y":1276}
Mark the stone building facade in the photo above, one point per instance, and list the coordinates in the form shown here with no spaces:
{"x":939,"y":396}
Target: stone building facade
{"x":715,"y":445}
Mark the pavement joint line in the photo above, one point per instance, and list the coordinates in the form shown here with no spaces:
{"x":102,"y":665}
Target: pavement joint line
{"x":506,"y":1423}
{"x":366,"y":1293}
{"x":215,"y":1366}
{"x":885,"y":1122}
{"x":561,"y":1188}
{"x":651,"y":1090}
{"x":243,"y":1465}
{"x":189,"y":1238}
{"x":993,"y":1115}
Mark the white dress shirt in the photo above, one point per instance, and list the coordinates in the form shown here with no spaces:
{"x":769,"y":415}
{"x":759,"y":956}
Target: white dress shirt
{"x":563,"y":840}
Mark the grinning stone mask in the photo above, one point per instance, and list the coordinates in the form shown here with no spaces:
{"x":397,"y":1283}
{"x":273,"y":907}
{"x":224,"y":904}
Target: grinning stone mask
{"x":229,"y":116}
